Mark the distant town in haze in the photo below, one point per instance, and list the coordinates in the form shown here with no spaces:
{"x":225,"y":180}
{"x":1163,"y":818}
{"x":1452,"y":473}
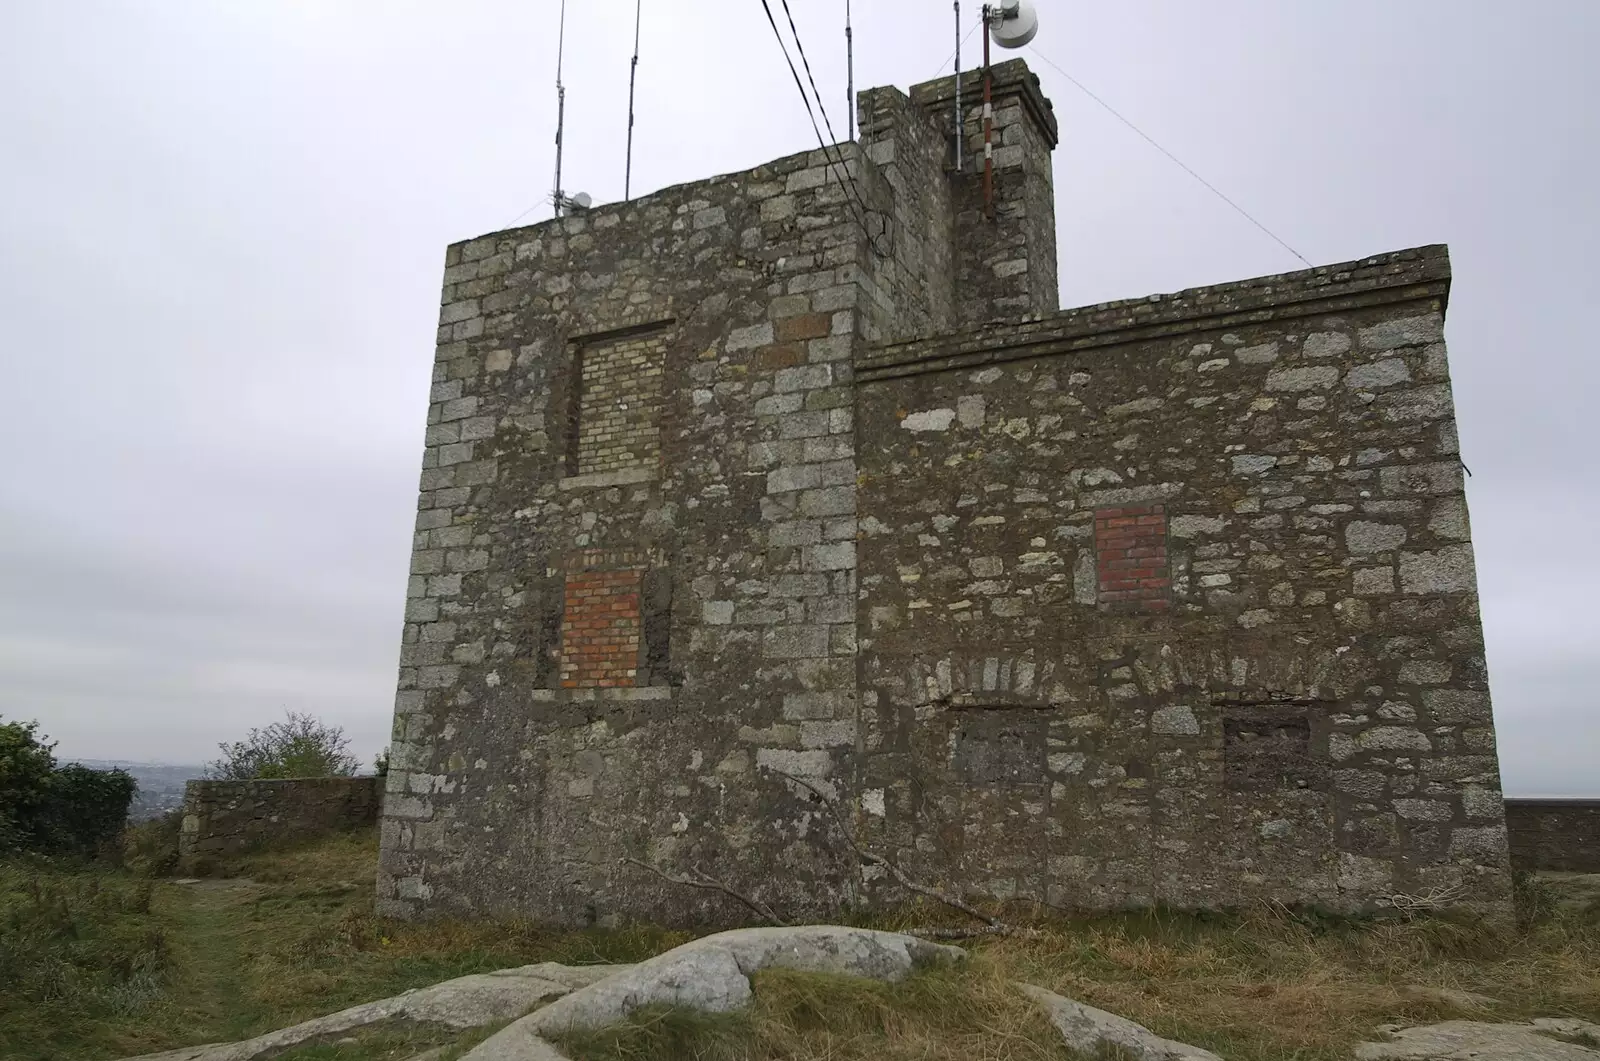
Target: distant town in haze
{"x":160,"y":785}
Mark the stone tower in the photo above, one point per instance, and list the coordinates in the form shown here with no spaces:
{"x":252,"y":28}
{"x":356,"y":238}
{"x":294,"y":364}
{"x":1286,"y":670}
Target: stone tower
{"x":799,"y":473}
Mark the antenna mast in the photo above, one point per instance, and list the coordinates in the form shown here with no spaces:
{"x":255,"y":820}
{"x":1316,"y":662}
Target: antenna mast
{"x":633,"y":73}
{"x":561,"y":103}
{"x":960,"y":118}
{"x":988,"y":121}
{"x":850,"y":70}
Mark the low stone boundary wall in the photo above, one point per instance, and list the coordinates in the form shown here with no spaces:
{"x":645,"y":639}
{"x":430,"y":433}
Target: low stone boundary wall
{"x":227,"y":817}
{"x":1554,"y":834}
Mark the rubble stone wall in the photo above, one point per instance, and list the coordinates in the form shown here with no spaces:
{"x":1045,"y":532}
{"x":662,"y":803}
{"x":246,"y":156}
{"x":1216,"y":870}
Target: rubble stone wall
{"x":228,"y":817}
{"x":1560,"y":835}
{"x":1173,"y":601}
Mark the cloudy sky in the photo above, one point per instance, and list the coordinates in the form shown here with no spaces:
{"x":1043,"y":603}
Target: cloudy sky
{"x":222,"y":227}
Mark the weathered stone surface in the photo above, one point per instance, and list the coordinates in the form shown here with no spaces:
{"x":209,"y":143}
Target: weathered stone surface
{"x":1447,"y":570}
{"x":713,"y":975}
{"x":1089,"y":1031}
{"x":1463,"y":1040}
{"x":466,"y":1002}
{"x":1363,"y":537}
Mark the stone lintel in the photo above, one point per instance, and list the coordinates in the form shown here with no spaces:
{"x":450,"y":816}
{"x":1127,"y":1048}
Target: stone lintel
{"x":602,"y":480}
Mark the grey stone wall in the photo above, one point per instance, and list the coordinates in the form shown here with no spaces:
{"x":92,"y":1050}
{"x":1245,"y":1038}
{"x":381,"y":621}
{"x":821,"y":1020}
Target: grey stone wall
{"x":1307,"y":720}
{"x":746,"y":517}
{"x":1561,"y":835}
{"x":859,"y":554}
{"x":228,"y":817}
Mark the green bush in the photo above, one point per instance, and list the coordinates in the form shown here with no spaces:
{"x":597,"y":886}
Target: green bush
{"x":84,"y":811}
{"x":69,"y":809}
{"x":299,"y":746}
{"x":150,"y":848}
{"x":26,"y":763}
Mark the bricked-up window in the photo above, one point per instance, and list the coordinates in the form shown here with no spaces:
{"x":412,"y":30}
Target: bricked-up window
{"x":617,"y":412}
{"x":1131,"y":558}
{"x":600,"y":629}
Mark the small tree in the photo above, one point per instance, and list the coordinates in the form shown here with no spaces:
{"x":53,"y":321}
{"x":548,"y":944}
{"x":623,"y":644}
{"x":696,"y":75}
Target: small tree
{"x":299,"y":746}
{"x":85,"y":810}
{"x":26,"y":762}
{"x":60,"y":810}
{"x":380,"y":764}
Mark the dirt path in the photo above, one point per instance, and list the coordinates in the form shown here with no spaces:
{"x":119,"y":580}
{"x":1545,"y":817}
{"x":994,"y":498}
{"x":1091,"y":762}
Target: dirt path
{"x":208,"y":930}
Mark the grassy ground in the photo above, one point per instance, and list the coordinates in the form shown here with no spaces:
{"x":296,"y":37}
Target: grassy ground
{"x":1265,"y":986}
{"x":99,"y":964}
{"x":104,"y":965}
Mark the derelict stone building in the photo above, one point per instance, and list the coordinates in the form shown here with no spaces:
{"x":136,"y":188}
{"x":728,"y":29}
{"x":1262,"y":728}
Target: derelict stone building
{"x":1165,"y":601}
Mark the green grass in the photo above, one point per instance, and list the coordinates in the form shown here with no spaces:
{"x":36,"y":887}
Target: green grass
{"x":98,"y":963}
{"x":103,"y":964}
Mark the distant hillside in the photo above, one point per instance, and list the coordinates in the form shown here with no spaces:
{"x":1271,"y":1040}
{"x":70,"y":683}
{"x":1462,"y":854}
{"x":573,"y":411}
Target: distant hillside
{"x":160,"y":785}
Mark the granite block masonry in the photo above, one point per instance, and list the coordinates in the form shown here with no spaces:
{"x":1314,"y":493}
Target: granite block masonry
{"x":799,"y":471}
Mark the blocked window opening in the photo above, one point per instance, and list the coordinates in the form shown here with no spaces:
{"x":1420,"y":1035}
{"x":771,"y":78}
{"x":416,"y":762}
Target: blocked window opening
{"x":1001,"y":750}
{"x":1270,"y":748}
{"x":600,"y":628}
{"x":1131,"y":558}
{"x":615,"y":419}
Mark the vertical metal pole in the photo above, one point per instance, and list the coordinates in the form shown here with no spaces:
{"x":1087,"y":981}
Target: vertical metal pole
{"x":561,"y":101}
{"x":850,"y":70}
{"x":633,"y":73}
{"x":988,"y":125}
{"x":961,"y":121}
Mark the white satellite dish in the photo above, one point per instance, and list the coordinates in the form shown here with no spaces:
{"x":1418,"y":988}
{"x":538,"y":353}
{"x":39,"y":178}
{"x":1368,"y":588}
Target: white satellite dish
{"x":1014,"y":23}
{"x":582,"y":201}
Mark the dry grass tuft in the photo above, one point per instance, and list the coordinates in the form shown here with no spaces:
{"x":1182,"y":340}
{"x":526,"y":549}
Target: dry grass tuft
{"x":970,"y":1012}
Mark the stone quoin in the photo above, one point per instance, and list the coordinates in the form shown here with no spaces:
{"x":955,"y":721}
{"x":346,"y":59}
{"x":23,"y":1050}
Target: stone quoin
{"x":1165,"y":601}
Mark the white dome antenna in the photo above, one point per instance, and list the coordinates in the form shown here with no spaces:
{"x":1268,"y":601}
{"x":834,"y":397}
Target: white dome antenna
{"x":1013,"y":23}
{"x":580,"y":202}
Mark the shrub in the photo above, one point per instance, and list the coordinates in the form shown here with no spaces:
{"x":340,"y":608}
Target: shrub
{"x":25,"y":766}
{"x":83,"y":811}
{"x":299,"y":746}
{"x":61,"y":810}
{"x":150,"y":848}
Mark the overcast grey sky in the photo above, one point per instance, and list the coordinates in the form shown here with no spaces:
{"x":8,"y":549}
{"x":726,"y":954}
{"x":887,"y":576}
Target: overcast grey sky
{"x":222,"y":227}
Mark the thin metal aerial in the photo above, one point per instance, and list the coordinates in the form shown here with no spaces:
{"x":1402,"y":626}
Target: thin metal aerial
{"x":633,"y":73}
{"x":988,"y":120}
{"x":960,"y":118}
{"x":561,"y":104}
{"x":850,"y":70}
{"x":836,"y":165}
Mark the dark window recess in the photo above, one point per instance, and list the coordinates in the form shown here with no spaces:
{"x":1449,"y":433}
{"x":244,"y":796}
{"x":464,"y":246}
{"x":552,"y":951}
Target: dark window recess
{"x":547,"y":659}
{"x":994,"y":751}
{"x":1270,"y":748}
{"x":654,"y":660}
